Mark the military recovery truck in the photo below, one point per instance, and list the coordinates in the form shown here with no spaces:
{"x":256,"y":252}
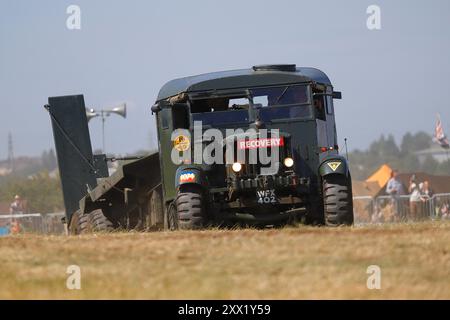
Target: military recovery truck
{"x":283,"y":110}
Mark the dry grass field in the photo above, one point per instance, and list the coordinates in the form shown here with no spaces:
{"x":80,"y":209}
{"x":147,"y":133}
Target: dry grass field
{"x":290,"y":263}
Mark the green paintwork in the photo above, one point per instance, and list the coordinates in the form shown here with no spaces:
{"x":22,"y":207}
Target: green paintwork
{"x":303,"y":132}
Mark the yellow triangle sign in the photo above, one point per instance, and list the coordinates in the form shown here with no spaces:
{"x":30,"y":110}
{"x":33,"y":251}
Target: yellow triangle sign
{"x":334,"y":165}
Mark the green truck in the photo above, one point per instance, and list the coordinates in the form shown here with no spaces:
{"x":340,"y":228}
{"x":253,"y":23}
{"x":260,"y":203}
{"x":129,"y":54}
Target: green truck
{"x":253,"y":146}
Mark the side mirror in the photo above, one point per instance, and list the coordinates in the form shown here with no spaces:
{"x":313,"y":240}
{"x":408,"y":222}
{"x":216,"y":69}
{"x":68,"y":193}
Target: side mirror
{"x":337,"y":95}
{"x":155,"y":108}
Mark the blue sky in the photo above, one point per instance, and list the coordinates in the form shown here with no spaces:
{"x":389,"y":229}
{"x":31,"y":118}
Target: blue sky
{"x":393,"y":80}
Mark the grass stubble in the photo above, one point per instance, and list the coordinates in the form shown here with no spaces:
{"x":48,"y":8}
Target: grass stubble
{"x":289,"y":263}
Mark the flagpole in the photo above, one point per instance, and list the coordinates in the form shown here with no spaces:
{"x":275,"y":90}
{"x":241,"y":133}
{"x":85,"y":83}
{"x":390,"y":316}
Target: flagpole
{"x":446,"y":151}
{"x":439,"y":136}
{"x":448,"y":162}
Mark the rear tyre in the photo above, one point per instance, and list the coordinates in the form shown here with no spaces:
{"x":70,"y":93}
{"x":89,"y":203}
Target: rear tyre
{"x":74,"y":225}
{"x":95,"y":221}
{"x":190,"y":207}
{"x":337,"y":200}
{"x":155,"y":213}
{"x":99,"y":222}
{"x":83,"y":223}
{"x":170,"y":218}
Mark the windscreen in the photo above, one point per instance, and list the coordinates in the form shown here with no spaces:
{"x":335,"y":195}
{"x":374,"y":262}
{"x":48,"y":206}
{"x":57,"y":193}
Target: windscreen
{"x":286,"y":102}
{"x":281,"y":102}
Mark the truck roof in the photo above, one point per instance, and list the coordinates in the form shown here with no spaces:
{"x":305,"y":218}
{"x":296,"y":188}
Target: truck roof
{"x":256,"y":76}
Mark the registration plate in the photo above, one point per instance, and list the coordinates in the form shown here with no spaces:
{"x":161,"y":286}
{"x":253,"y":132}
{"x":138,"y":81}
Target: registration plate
{"x":266,"y":196}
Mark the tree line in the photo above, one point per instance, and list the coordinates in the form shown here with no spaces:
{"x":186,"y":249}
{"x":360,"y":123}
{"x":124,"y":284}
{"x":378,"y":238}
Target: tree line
{"x":36,"y":182}
{"x":403,"y":157}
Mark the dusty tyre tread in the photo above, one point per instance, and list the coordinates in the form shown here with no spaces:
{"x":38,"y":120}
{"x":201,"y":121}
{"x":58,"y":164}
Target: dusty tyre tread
{"x":190,"y":208}
{"x":74,"y":225}
{"x":337,"y":199}
{"x":83,"y":223}
{"x":100,"y":223}
{"x":95,"y":221}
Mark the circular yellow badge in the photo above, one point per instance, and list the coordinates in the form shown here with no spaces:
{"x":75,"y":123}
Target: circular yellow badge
{"x":181,"y":143}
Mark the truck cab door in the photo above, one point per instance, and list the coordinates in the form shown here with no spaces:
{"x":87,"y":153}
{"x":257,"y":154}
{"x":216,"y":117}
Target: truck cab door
{"x":319,"y":105}
{"x":325,"y":120}
{"x":168,"y":120}
{"x":331,"y":122}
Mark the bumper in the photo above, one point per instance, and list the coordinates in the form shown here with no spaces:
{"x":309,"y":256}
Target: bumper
{"x":269,"y":182}
{"x":286,"y":193}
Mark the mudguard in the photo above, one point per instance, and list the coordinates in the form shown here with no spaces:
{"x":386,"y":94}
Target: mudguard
{"x":189,"y":175}
{"x":333,"y":164}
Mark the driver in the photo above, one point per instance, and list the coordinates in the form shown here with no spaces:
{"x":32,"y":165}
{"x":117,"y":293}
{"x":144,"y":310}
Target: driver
{"x":319,"y":108}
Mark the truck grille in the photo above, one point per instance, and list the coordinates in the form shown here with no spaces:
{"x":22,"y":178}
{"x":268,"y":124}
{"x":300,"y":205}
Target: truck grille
{"x":250,"y":148}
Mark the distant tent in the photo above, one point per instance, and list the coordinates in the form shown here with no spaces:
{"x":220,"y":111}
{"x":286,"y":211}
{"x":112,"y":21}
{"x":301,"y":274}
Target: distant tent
{"x":381,"y":176}
{"x":374,"y":185}
{"x":364,"y":188}
{"x":439,"y":184}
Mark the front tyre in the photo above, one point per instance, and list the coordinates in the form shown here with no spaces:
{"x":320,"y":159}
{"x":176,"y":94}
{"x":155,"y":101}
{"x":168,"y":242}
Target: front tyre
{"x":337,"y":200}
{"x":190,"y":205}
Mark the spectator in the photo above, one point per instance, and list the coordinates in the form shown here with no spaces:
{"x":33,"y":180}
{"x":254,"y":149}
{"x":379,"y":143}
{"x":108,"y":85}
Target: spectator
{"x":15,"y":227}
{"x":16,"y":206}
{"x":414,"y":198}
{"x":426,"y":195}
{"x":445,"y":211}
{"x":395,"y":189}
{"x":426,"y":190}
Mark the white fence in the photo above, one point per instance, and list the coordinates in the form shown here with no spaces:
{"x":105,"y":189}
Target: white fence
{"x":44,"y":223}
{"x":399,"y":208}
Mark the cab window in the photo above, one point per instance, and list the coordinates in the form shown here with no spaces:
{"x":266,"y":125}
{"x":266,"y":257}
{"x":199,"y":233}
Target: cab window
{"x":282,"y":103}
{"x":280,"y":96}
{"x":218,"y":111}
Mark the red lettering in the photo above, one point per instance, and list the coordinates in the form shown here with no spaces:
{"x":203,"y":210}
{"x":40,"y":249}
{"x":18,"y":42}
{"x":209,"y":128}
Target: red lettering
{"x":261,"y":143}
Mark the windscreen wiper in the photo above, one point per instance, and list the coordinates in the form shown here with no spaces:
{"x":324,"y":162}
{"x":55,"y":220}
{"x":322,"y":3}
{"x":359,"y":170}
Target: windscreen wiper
{"x":281,"y":95}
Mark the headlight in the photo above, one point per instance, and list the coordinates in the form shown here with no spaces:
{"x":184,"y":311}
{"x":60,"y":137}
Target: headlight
{"x":288,"y":162}
{"x":236,"y":167}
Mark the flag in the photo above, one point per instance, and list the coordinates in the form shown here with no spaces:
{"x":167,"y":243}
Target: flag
{"x":439,"y":135}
